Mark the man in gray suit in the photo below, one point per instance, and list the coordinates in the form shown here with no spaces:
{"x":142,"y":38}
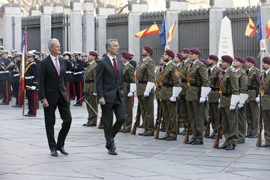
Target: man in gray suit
{"x":109,"y":84}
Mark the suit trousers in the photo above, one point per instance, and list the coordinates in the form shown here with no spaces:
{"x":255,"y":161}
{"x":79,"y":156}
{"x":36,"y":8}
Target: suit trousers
{"x":252,"y":116}
{"x":110,"y":131}
{"x":213,"y":112}
{"x":242,"y":123}
{"x":92,"y":100}
{"x":32,"y":101}
{"x":147,"y":111}
{"x":171,"y":108}
{"x":195,"y":113}
{"x":183,"y":110}
{"x":49,"y":113}
{"x":266,"y":124}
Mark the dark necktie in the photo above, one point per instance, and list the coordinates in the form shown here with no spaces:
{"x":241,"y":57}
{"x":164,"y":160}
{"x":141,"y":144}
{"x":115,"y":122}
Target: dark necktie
{"x":247,"y":72}
{"x":115,"y":66}
{"x":222,"y":74}
{"x":209,"y":72}
{"x":191,"y":65}
{"x":164,"y":66}
{"x":264,"y":75}
{"x":183,"y":63}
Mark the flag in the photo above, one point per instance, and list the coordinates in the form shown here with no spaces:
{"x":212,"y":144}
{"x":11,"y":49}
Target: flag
{"x":251,"y":29}
{"x":148,"y":32}
{"x":259,"y":25}
{"x":162,"y":33}
{"x":22,"y":70}
{"x":170,"y":33}
{"x":267,"y":28}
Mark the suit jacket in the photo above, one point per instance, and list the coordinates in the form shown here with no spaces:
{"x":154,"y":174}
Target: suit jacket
{"x":253,"y":82}
{"x":51,"y":86}
{"x":107,"y":83}
{"x":213,"y":96}
{"x":128,"y":73}
{"x":266,"y":90}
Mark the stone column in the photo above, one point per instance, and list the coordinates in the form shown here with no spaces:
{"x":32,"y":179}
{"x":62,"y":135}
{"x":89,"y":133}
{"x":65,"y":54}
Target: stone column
{"x":17,"y":27}
{"x":215,"y":17}
{"x":101,"y":27}
{"x":6,"y":28}
{"x":34,"y":12}
{"x":135,"y":10}
{"x":88,"y":37}
{"x":75,"y":26}
{"x":45,"y":26}
{"x":67,"y":28}
{"x":58,"y":8}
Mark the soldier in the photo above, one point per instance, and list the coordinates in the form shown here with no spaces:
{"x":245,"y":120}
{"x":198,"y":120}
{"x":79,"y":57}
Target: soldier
{"x":145,"y":73}
{"x":213,"y":96}
{"x":16,"y":76}
{"x":132,"y":62}
{"x":13,"y":52}
{"x":182,"y":96}
{"x":37,"y":57}
{"x":238,"y":63}
{"x":170,"y":79}
{"x":128,"y":76}
{"x":265,"y":95}
{"x":78,"y":78}
{"x":89,"y":90}
{"x":197,"y":79}
{"x":69,"y":74}
{"x":31,"y":82}
{"x":229,"y":86}
{"x":205,"y":104}
{"x":252,"y":108}
{"x":43,"y":55}
{"x":4,"y":78}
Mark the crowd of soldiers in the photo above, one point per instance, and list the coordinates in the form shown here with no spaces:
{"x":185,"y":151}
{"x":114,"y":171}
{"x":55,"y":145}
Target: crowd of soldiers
{"x":189,"y":108}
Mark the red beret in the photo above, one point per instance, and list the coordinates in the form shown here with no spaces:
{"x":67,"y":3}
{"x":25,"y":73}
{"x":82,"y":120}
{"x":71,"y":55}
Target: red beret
{"x":266,"y":60}
{"x":93,"y":53}
{"x":186,"y":50}
{"x":179,"y":56}
{"x":170,"y":53}
{"x":148,"y":49}
{"x":240,"y":59}
{"x":104,"y":55}
{"x":204,"y":61}
{"x":213,"y":57}
{"x":126,"y":55}
{"x":195,"y":50}
{"x":227,"y":58}
{"x":251,"y":59}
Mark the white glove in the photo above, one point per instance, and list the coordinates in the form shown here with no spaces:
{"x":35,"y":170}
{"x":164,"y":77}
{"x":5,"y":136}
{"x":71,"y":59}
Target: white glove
{"x":219,"y":101}
{"x":218,"y":106}
{"x":232,"y":107}
{"x":146,"y":93}
{"x":206,"y":99}
{"x":202,"y":99}
{"x":173,"y":98}
{"x":257,"y":99}
{"x":130,"y":94}
{"x":159,"y":100}
{"x":33,"y":87}
{"x":94,"y":94}
{"x":240,"y":105}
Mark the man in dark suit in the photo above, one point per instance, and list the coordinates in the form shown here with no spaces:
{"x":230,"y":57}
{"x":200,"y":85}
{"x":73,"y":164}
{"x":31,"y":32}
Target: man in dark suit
{"x":109,"y":84}
{"x":53,"y":94}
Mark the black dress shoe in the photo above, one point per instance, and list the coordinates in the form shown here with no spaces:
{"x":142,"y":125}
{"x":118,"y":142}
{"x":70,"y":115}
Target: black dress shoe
{"x":189,"y":142}
{"x":163,"y":130}
{"x":163,"y":138}
{"x":126,"y":131}
{"x":248,"y":135}
{"x":16,"y":105}
{"x":62,"y":150}
{"x":214,"y":137}
{"x":197,"y":143}
{"x":85,"y":124}
{"x":171,"y":138}
{"x":30,"y":115}
{"x":141,"y":126}
{"x":90,"y":124}
{"x":77,"y":105}
{"x":54,"y":153}
{"x":190,"y":133}
{"x":3,"y":104}
{"x":148,"y":134}
{"x":230,"y":147}
{"x":101,"y":127}
{"x":240,"y":142}
{"x":264,"y":145}
{"x":253,"y":136}
{"x":222,"y":147}
{"x":181,"y":125}
{"x":211,"y":136}
{"x":121,"y":130}
{"x":183,"y":133}
{"x":112,"y":151}
{"x":141,"y":134}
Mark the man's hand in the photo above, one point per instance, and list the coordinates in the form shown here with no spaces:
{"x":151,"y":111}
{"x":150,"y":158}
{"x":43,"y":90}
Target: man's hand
{"x":257,"y":99}
{"x":146,"y":94}
{"x":45,"y":103}
{"x":232,"y":107}
{"x":240,"y":105}
{"x":101,"y":101}
{"x":94,"y":94}
{"x":173,"y":98}
{"x":130,"y":94}
{"x":202,"y":99}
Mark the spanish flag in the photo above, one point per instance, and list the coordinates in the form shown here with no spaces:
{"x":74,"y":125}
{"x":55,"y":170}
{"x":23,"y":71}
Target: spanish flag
{"x":267,"y":28}
{"x":251,"y":29}
{"x":148,"y":32}
{"x":170,"y":33}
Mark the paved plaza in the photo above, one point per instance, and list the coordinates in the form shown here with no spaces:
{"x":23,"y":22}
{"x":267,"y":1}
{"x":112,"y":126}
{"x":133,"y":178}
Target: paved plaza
{"x":24,"y":154}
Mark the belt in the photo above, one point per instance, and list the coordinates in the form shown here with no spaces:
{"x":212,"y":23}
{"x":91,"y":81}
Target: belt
{"x":196,"y":85}
{"x":226,"y":94}
{"x":68,"y":72}
{"x":29,"y":77}
{"x":143,"y":82}
{"x":77,"y":73}
{"x":158,"y":86}
{"x":167,"y":85}
{"x":252,"y":88}
{"x":214,"y":88}
{"x":267,"y":93}
{"x":14,"y":75}
{"x":89,"y":81}
{"x":1,"y":72}
{"x":183,"y":80}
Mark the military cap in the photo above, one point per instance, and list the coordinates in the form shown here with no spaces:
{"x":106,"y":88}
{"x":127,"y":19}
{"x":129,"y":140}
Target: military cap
{"x":84,"y":55}
{"x":93,"y":53}
{"x":186,"y":50}
{"x":195,"y":50}
{"x":240,"y":59}
{"x":30,"y":55}
{"x":227,"y":58}
{"x":13,"y":50}
{"x":251,"y":59}
{"x":18,"y":54}
{"x":213,"y":57}
{"x":37,"y":53}
{"x":66,"y":53}
{"x":1,"y":47}
{"x":204,"y":61}
{"x":179,"y":55}
{"x":77,"y":53}
{"x":126,"y":55}
{"x":170,"y":53}
{"x":104,"y":55}
{"x":148,"y":49}
{"x":131,"y":53}
{"x":266,"y":60}
{"x":43,"y":53}
{"x":4,"y":51}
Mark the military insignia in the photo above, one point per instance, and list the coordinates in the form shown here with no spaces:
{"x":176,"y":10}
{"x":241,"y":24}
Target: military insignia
{"x":176,"y":73}
{"x":220,"y":90}
{"x":136,"y":75}
{"x":261,"y":88}
{"x":188,"y":83}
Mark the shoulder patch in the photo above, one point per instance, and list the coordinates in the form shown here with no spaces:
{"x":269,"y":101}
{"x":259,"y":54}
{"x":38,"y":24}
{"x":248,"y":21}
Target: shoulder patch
{"x":176,"y":73}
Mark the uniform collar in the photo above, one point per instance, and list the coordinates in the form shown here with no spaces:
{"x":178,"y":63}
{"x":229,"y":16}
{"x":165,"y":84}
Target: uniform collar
{"x":126,"y":63}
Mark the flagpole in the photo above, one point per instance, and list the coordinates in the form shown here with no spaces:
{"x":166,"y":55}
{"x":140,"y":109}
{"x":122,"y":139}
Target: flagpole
{"x":166,"y":32}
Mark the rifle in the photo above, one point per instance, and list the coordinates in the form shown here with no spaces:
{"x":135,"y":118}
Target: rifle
{"x":207,"y":131}
{"x":259,"y":140}
{"x":100,"y":123}
{"x":187,"y":133}
{"x":216,"y":143}
{"x":159,"y":123}
{"x":137,"y":122}
{"x":178,"y":122}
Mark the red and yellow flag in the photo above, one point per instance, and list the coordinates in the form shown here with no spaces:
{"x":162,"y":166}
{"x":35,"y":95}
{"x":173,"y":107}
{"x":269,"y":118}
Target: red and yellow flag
{"x":170,"y":33}
{"x":267,"y":28}
{"x":251,"y":29}
{"x":148,"y":32}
